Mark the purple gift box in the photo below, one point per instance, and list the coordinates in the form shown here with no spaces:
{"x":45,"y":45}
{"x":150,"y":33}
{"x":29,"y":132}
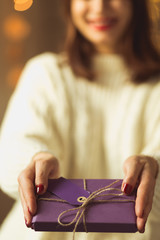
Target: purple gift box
{"x":108,"y":210}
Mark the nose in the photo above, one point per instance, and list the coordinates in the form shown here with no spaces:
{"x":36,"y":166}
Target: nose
{"x":98,"y":5}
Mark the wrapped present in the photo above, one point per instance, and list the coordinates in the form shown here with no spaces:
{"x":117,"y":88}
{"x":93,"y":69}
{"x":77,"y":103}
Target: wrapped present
{"x":92,"y":205}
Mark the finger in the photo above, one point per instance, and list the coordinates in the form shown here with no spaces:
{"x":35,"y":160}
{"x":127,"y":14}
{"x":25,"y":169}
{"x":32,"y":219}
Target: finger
{"x":26,"y":184}
{"x":141,"y":224}
{"x":145,"y":193}
{"x":132,"y":169}
{"x":141,"y":221}
{"x":144,"y":198}
{"x":27,"y":214}
{"x":45,"y":169}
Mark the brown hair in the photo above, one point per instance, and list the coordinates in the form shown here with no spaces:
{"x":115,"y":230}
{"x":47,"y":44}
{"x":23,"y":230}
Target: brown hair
{"x":140,"y":51}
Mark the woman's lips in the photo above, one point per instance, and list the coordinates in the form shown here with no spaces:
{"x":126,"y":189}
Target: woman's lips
{"x":102,"y":24}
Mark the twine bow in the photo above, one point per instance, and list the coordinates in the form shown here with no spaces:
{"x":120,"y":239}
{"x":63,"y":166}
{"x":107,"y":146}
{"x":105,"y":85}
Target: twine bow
{"x":85,"y":202}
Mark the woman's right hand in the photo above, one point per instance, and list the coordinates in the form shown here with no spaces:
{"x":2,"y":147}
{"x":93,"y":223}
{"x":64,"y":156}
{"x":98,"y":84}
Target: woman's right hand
{"x":34,"y":179}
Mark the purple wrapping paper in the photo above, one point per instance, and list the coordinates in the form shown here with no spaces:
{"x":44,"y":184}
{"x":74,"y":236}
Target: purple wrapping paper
{"x":100,"y":217}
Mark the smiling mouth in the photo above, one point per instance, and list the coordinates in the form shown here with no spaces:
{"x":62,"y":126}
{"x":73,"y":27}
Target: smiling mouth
{"x":102,"y":24}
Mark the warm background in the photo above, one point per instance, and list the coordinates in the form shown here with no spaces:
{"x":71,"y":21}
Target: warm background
{"x":23,"y":35}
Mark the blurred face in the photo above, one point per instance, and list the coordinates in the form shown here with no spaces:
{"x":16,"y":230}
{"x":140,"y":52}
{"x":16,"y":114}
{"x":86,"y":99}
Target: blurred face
{"x":103,"y":22}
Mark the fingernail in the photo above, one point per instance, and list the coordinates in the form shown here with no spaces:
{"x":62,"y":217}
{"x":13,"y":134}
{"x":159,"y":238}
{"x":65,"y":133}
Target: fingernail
{"x":26,"y":223}
{"x":143,"y":230}
{"x":127,"y":188}
{"x":39,"y":188}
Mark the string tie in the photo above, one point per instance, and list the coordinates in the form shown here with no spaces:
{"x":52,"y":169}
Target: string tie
{"x":80,"y":210}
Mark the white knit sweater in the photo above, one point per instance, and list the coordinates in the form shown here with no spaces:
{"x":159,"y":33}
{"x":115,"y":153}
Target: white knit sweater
{"x":92,"y":127}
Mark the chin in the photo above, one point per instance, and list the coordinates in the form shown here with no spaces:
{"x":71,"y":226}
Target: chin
{"x":102,"y":42}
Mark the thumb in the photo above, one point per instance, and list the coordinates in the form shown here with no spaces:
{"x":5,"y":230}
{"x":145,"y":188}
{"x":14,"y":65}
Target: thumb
{"x":41,"y":177}
{"x":45,"y":168}
{"x":132,"y":169}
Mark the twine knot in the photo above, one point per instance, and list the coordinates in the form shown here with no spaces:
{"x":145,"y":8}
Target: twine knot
{"x":86,"y":201}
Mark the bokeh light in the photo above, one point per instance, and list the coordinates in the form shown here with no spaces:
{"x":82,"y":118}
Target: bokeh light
{"x":13,"y":75}
{"x":16,"y":28}
{"x":22,"y":5}
{"x":14,"y":52}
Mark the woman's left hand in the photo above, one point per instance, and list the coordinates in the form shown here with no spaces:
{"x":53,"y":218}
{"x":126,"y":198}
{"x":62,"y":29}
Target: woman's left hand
{"x":141,"y":172}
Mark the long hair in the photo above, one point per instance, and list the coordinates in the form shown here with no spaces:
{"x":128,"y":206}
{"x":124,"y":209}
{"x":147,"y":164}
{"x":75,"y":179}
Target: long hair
{"x":140,"y":51}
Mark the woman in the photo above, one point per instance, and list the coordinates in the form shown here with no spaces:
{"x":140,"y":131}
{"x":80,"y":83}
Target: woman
{"x":89,"y":113}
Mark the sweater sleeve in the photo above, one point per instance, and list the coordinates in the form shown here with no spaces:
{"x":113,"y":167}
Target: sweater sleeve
{"x":152,"y":142}
{"x":32,"y":121}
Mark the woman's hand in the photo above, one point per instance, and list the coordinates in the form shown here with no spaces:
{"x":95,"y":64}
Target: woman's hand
{"x":141,"y":171}
{"x":34,"y":179}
